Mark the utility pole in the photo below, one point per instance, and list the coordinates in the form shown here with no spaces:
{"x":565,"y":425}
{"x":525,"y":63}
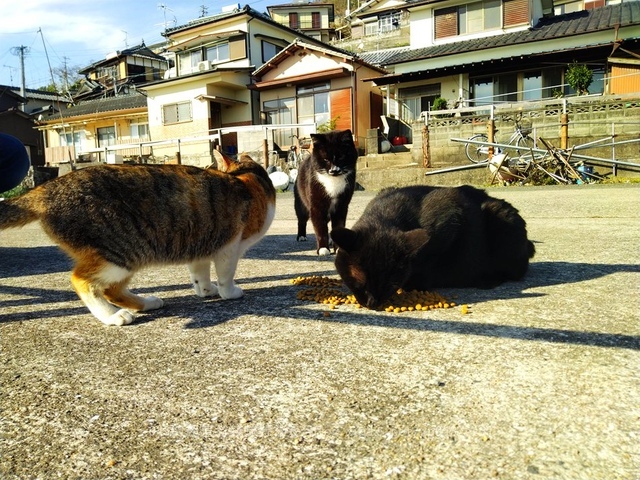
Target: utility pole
{"x":21,"y":51}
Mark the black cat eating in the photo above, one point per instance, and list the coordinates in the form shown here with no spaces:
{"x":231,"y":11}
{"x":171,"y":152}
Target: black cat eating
{"x":325,"y":185}
{"x":421,"y":237}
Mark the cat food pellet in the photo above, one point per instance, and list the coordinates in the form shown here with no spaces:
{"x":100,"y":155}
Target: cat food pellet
{"x":326,"y":291}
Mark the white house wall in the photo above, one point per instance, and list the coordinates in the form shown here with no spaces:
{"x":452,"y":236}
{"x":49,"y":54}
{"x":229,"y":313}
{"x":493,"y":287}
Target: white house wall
{"x":421,"y":30}
{"x":310,"y":63}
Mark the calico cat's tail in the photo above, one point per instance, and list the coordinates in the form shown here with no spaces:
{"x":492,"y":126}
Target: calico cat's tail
{"x":17,"y":212}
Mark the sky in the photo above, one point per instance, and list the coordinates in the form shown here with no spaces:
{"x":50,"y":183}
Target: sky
{"x":80,"y":32}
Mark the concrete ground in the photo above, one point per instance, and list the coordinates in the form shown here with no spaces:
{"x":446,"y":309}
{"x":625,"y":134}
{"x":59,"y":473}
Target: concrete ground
{"x":539,"y":381}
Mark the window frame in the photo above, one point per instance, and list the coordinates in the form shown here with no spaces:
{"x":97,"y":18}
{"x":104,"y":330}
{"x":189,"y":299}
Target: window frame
{"x":178,"y":117}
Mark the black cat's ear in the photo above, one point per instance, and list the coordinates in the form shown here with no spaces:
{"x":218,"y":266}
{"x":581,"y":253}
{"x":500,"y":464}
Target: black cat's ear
{"x":345,"y":239}
{"x":347,"y":136}
{"x":317,"y":138}
{"x":416,"y":240}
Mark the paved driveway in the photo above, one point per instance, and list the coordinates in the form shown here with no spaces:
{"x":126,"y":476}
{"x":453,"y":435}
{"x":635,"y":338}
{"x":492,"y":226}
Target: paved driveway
{"x":540,"y":380}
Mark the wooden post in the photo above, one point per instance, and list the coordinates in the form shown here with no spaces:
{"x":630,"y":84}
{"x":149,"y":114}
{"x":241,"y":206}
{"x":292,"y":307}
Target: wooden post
{"x":491,"y":133}
{"x":265,"y":152}
{"x":564,"y":131}
{"x":426,"y":153}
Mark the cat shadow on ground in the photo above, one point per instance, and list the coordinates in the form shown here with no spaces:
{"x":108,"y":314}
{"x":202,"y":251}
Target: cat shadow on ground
{"x":286,"y":247}
{"x":281,"y":301}
{"x":26,"y":261}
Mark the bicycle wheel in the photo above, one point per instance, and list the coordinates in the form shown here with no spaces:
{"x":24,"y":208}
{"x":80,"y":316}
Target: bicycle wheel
{"x":525,"y":143}
{"x":477,"y":153}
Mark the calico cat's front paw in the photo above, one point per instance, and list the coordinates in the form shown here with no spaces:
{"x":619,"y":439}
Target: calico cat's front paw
{"x":152,"y":303}
{"x":230,"y":293}
{"x":203,"y":290}
{"x":121,"y":317}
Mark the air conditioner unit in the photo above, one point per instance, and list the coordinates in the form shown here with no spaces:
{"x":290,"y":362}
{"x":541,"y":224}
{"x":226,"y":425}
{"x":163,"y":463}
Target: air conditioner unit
{"x":204,"y":66}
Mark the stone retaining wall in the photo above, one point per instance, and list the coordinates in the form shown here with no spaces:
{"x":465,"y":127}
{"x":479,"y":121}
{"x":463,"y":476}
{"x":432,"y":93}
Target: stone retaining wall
{"x":590,"y":119}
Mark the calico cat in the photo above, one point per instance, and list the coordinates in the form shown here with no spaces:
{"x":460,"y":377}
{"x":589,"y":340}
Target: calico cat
{"x":325,"y":185}
{"x":116,"y":219}
{"x":421,"y":237}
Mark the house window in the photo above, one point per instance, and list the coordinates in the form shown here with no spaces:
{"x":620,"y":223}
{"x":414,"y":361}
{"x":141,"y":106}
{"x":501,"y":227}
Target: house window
{"x":515,"y":87}
{"x":313,"y":104}
{"x":480,"y":16}
{"x":269,"y":50}
{"x":591,"y":4}
{"x":371,"y":28}
{"x":515,"y":12}
{"x":188,"y":61}
{"x":294,"y":21}
{"x":494,"y":89}
{"x":280,"y":112}
{"x":106,"y":136}
{"x":72,"y":139}
{"x":415,"y":100}
{"x":389,"y":23}
{"x":139,"y":130}
{"x":561,"y":8}
{"x":176,"y":113}
{"x":315,"y":20}
{"x":217,"y":53}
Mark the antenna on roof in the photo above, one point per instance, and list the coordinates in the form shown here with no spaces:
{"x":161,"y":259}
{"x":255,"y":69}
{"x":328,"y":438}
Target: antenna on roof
{"x":164,"y":11}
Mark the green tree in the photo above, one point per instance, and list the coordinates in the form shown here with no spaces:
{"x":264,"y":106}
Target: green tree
{"x":579,"y":77}
{"x":65,"y":79}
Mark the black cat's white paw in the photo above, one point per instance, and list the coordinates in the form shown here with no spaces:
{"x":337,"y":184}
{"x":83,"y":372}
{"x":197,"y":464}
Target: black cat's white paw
{"x":301,"y":238}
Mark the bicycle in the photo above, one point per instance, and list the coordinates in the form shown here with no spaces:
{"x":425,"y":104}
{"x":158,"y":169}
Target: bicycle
{"x":480,"y":153}
{"x":294,"y":159}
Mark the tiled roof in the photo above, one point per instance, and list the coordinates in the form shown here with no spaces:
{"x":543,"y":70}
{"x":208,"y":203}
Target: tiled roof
{"x":104,"y":105}
{"x":577,"y":23}
{"x":217,"y":17}
{"x":381,"y":57}
{"x":34,"y":94}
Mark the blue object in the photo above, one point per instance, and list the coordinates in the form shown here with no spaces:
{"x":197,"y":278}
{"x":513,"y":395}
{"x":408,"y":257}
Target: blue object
{"x":14,"y":162}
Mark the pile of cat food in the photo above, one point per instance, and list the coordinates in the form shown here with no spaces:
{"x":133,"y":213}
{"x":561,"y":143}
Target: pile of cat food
{"x":328,"y":291}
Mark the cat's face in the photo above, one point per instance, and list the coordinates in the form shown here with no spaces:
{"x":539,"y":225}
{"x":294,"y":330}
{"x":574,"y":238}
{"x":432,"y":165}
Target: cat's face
{"x":374,"y":265}
{"x":334,"y":153}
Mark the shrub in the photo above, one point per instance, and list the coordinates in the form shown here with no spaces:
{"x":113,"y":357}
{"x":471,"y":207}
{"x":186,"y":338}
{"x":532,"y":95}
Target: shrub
{"x":579,"y":77}
{"x":439,"y":104}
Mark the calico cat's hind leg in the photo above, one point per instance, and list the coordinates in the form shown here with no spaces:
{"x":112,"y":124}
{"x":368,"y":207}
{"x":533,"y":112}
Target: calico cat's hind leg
{"x":101,"y":285}
{"x":93,"y":298}
{"x":200,"y":271}
{"x":226,"y":262}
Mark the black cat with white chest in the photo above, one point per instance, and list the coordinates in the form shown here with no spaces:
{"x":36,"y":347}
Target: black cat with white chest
{"x":325,"y":185}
